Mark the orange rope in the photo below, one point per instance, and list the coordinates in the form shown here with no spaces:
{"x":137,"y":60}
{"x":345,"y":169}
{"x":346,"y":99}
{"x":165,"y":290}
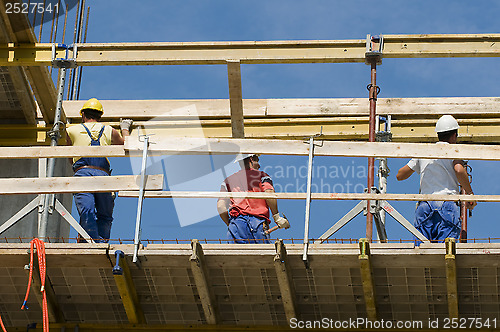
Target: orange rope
{"x":1,"y":324}
{"x":40,"y":250}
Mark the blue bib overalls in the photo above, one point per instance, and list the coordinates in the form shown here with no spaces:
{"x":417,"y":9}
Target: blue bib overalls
{"x":437,"y":220}
{"x":95,"y":209}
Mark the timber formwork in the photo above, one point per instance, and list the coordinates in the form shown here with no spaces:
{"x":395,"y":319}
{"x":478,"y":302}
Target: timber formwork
{"x":246,"y":285}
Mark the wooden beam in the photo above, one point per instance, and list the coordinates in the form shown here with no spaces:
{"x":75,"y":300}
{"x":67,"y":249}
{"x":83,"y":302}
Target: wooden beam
{"x":235,"y":99}
{"x":317,"y":196}
{"x":259,"y":52}
{"x":77,"y":184}
{"x":191,"y":145}
{"x":201,"y":278}
{"x":33,"y":152}
{"x":268,"y":108}
{"x":285,"y":281}
{"x":128,"y":293}
{"x":451,"y":278}
{"x":367,"y":279}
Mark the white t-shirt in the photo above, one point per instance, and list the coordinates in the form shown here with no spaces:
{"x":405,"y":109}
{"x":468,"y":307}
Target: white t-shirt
{"x":437,"y":176}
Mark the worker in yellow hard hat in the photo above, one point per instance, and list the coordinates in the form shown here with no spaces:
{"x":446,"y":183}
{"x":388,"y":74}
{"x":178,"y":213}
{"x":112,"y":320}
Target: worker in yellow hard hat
{"x":437,"y":220}
{"x":95,"y":209}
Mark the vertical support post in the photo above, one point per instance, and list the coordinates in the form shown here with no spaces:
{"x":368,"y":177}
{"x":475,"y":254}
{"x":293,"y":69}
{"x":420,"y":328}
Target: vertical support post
{"x":367,"y":279}
{"x":137,"y":237}
{"x":451,"y":277}
{"x":371,"y":138}
{"x":285,"y":281}
{"x":54,"y":139}
{"x":235,"y":99}
{"x":308,"y":199}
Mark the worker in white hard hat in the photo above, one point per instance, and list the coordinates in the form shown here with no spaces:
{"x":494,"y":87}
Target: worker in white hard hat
{"x":438,"y":220}
{"x":248,"y":219}
{"x":95,"y":209}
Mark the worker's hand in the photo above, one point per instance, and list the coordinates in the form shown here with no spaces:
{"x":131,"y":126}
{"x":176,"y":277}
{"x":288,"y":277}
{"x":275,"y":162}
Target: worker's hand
{"x":281,"y":221}
{"x":125,"y":124}
{"x":470,"y":205}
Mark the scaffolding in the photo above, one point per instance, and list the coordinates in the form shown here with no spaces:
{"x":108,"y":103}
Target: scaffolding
{"x":260,"y":285}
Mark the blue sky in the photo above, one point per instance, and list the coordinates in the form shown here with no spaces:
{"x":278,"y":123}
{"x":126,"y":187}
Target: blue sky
{"x":137,"y":21}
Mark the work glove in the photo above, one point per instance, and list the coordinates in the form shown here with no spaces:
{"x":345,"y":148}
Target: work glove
{"x":282,"y":222}
{"x":125,"y":124}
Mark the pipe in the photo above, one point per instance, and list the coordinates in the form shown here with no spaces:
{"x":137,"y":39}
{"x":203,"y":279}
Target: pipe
{"x":463,"y":215}
{"x":308,"y":199}
{"x":371,"y":138}
{"x":54,"y":140}
{"x":137,"y":237}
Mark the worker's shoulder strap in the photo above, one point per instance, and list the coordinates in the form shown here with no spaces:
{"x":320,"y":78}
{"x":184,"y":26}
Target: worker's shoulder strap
{"x":90,"y":134}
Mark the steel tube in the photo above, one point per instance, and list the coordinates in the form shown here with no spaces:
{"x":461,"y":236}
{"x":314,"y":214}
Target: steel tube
{"x":137,"y":237}
{"x":371,"y":138}
{"x":54,"y":139}
{"x":308,"y":198}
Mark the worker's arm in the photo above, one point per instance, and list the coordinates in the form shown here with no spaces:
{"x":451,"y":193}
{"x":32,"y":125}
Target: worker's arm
{"x":463,"y":179}
{"x":404,"y":173}
{"x":222,"y":207}
{"x":272,"y":202}
{"x":116,"y":138}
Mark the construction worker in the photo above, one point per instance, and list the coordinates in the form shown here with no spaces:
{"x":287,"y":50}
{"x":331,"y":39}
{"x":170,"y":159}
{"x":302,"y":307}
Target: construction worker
{"x":95,"y":209}
{"x":438,"y":220}
{"x":248,"y":219}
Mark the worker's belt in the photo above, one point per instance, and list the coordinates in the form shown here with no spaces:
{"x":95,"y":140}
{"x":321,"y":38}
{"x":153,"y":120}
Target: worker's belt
{"x":93,"y":167}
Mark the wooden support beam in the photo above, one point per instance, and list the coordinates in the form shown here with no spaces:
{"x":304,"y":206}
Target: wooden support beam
{"x":201,"y":278}
{"x":451,"y":277}
{"x":285,"y":281}
{"x":128,"y":293}
{"x":316,"y":196}
{"x":34,"y":152}
{"x":259,"y":52}
{"x":77,"y":184}
{"x":54,"y":310}
{"x":404,"y":108}
{"x":367,"y":279}
{"x":235,"y":99}
{"x":328,"y":148}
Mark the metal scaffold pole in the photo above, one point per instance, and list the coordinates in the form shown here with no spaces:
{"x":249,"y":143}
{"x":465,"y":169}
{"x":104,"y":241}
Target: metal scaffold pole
{"x":55,"y":135}
{"x":137,"y":237}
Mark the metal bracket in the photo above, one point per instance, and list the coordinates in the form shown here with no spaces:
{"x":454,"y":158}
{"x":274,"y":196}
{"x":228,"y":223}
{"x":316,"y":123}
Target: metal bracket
{"x":63,"y":62}
{"x":117,"y":269}
{"x":372,"y":55}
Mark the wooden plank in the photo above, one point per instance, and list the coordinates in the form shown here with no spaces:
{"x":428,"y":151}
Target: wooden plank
{"x":217,"y":108}
{"x":191,"y":145}
{"x":317,"y":196}
{"x":367,"y":279}
{"x":61,"y":152}
{"x":285,"y":280}
{"x":77,"y":184}
{"x":451,"y":278}
{"x":262,"y":52}
{"x":201,"y":278}
{"x":128,"y":293}
{"x":235,"y":99}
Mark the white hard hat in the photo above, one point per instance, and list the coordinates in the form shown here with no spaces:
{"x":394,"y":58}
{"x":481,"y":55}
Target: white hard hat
{"x":243,"y":156}
{"x":446,"y":123}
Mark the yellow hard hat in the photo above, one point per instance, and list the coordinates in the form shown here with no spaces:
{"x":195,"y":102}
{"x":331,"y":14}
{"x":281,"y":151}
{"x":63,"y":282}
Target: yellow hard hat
{"x":92,"y":104}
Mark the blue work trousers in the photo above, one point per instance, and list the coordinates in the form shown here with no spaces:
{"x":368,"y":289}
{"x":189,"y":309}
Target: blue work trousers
{"x":437,"y":220}
{"x":95,"y":209}
{"x":247,"y":229}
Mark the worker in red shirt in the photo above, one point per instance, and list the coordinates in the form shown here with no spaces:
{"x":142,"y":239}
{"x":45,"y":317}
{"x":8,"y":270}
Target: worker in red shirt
{"x":248,"y":219}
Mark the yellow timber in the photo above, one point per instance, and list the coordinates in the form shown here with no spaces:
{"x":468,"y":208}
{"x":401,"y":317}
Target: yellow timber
{"x":262,"y":52}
